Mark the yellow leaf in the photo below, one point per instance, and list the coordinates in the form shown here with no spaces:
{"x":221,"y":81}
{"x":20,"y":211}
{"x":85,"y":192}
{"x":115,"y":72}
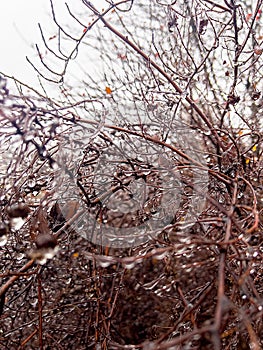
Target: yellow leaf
{"x":108,"y":90}
{"x":254,"y":148}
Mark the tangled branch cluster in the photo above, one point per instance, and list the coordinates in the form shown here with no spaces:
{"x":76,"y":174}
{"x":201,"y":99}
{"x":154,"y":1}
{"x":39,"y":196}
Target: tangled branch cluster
{"x":132,"y":205}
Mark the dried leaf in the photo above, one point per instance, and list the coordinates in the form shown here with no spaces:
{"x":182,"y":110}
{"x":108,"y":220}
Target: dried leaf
{"x":108,"y":90}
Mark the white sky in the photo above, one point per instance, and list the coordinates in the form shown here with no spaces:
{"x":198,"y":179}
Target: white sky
{"x":19,"y":32}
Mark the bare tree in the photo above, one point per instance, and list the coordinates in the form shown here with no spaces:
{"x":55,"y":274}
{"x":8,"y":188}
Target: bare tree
{"x":132,"y":200}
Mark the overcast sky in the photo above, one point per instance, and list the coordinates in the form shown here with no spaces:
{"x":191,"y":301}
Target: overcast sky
{"x":19,"y":32}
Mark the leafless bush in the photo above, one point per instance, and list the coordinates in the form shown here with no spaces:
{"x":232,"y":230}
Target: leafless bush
{"x":145,"y":180}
